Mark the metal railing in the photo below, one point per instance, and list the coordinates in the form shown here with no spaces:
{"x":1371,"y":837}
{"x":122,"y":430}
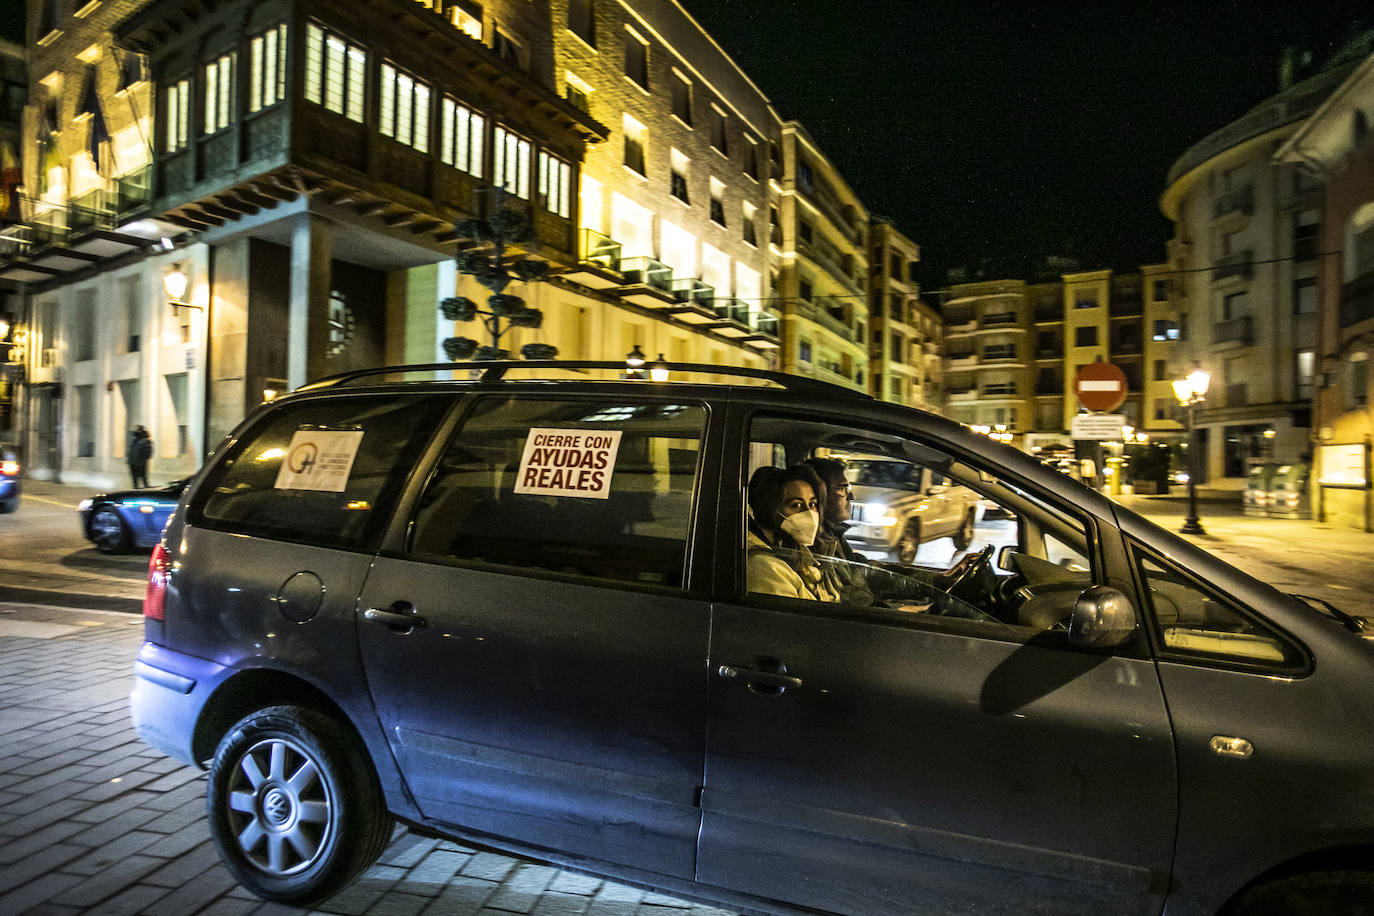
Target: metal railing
{"x":1233,"y":265}
{"x":1357,"y":300}
{"x":1232,"y":330}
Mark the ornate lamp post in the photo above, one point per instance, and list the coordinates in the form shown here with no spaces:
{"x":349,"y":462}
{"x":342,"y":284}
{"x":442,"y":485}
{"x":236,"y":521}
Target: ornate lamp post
{"x":486,"y":261}
{"x":1192,"y":391}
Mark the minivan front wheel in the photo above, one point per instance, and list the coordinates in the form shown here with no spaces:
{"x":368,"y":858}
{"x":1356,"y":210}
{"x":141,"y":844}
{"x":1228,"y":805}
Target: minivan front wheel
{"x":294,"y":806}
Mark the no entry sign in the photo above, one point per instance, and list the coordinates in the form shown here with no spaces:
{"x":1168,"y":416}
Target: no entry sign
{"x":1100,"y":386}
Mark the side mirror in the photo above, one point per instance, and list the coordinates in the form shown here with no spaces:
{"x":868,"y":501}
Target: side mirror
{"x":936,"y":489}
{"x":1102,"y":619}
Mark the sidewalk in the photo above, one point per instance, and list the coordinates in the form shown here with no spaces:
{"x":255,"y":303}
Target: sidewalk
{"x":92,"y":821}
{"x":1294,"y":555}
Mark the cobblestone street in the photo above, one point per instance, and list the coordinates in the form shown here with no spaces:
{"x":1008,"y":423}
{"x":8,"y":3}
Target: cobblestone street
{"x":92,"y":820}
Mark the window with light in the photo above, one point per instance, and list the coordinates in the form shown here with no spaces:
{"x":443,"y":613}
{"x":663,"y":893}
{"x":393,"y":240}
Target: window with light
{"x":219,"y":93}
{"x":267,"y":68}
{"x":510,"y":162}
{"x":461,"y":135}
{"x":335,"y":72}
{"x":403,"y":108}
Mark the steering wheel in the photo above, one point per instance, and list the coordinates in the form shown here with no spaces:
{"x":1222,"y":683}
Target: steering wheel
{"x":966,"y":570}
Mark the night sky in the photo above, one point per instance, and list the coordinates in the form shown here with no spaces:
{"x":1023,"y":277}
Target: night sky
{"x":995,"y":134}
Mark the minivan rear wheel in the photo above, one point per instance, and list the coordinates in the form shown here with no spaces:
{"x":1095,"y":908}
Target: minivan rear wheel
{"x":1312,"y":894}
{"x":294,"y":805}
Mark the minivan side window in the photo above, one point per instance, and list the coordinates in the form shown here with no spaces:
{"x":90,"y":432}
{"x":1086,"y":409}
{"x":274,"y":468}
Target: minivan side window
{"x":321,"y":473}
{"x":598,"y":489}
{"x":1192,"y":620}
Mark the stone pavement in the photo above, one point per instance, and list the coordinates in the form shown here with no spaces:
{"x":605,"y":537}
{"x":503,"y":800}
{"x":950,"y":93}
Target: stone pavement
{"x":92,"y":821}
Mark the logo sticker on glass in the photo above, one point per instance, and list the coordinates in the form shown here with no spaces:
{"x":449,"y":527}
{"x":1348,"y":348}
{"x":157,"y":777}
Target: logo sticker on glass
{"x":568,"y":462}
{"x":319,"y":460}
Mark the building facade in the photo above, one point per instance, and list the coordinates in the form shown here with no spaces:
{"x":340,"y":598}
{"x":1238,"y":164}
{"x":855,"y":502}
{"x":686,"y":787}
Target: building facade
{"x":308,"y":172}
{"x":988,"y":362}
{"x":1335,"y":146}
{"x":822,"y":274}
{"x":1249,"y":279}
{"x":906,"y":336}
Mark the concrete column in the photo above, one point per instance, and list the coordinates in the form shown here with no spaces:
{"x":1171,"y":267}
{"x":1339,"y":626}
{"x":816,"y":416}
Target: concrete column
{"x":312,"y":251}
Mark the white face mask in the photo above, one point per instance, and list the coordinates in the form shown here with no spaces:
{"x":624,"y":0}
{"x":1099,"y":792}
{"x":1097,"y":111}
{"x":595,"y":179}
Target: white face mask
{"x":802,"y":526}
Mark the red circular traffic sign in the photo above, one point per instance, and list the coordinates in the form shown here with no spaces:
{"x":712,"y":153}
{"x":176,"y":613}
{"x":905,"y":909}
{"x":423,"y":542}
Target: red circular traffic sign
{"x":1100,"y":386}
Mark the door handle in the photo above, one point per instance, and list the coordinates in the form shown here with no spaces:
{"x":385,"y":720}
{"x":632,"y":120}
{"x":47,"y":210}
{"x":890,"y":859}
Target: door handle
{"x":400,"y":618}
{"x":751,"y":676}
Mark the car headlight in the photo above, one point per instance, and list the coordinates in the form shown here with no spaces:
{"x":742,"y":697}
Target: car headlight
{"x":84,"y":505}
{"x":886,"y":521}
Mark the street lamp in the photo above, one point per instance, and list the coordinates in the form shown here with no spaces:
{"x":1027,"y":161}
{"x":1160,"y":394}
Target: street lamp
{"x":634,"y":364}
{"x":1192,"y":391}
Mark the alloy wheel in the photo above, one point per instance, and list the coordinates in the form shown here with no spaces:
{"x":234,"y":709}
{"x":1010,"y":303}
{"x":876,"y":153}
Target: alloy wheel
{"x":281,"y":810}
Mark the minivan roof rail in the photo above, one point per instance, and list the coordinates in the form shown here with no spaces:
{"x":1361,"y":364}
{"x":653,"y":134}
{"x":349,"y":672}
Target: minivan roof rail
{"x":494,"y":370}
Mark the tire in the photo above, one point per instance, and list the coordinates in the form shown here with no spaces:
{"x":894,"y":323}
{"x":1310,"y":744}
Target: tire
{"x":909,"y":543}
{"x":964,"y":536}
{"x":1322,"y":893}
{"x":294,"y":805}
{"x":9,"y":505}
{"x":108,"y":531}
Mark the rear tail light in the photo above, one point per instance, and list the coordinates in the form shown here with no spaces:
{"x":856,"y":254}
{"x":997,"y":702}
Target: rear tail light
{"x":9,"y":468}
{"x":158,"y":567}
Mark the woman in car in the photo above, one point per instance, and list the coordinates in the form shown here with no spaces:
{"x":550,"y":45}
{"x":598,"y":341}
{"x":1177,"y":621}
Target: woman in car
{"x":784,"y":519}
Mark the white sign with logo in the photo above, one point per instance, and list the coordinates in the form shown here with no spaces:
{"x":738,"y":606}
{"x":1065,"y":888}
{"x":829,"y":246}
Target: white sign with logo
{"x":319,"y":460}
{"x":1098,"y":426}
{"x":568,"y":462}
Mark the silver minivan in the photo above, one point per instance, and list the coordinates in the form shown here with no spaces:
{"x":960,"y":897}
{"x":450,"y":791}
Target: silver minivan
{"x":524,"y":612}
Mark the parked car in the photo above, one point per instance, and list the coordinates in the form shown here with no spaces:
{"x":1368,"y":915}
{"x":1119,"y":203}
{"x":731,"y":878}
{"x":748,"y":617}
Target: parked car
{"x":128,"y":519}
{"x":518,"y":613}
{"x":11,"y":473}
{"x":898,"y":506}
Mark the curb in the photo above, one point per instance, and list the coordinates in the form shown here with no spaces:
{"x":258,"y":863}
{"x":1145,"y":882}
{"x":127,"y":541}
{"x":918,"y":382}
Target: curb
{"x":19,"y":595}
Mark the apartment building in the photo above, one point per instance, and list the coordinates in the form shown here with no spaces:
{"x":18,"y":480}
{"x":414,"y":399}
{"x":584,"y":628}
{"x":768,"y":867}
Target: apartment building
{"x":1250,"y":279}
{"x":1014,"y":349}
{"x":673,"y":239}
{"x":1336,"y":147}
{"x":1160,"y":415}
{"x":988,"y":363}
{"x":906,"y":335}
{"x":822,"y":274}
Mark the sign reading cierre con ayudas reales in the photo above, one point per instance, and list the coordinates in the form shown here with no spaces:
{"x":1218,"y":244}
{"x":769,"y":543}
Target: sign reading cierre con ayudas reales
{"x":568,"y":462}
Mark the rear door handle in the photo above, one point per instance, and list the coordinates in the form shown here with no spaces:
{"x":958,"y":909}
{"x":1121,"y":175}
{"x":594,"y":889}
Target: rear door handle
{"x":751,"y":676}
{"x":400,"y":618}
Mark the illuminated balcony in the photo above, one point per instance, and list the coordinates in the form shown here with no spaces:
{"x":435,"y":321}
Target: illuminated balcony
{"x":732,"y":318}
{"x":763,"y":331}
{"x":694,"y":301}
{"x":598,"y":263}
{"x":647,"y":282}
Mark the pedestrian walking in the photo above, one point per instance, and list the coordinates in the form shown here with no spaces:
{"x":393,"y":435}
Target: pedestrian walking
{"x":140,"y":451}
